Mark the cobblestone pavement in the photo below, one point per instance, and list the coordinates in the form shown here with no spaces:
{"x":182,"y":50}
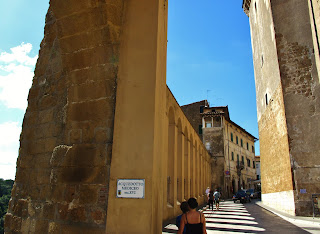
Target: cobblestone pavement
{"x":242,"y":218}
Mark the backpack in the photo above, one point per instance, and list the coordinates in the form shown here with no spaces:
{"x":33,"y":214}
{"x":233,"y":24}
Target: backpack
{"x":216,"y":195}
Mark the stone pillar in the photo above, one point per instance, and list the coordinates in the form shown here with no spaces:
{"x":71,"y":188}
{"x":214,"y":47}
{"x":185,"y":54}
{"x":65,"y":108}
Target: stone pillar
{"x":140,"y":123}
{"x":192,"y":169}
{"x":62,"y":176}
{"x":187,"y":175}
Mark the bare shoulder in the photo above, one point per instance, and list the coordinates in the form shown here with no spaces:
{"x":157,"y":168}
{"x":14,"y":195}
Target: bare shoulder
{"x":202,"y":217}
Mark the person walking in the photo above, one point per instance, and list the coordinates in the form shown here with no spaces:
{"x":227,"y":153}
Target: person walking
{"x":184,"y":208}
{"x":194,"y":221}
{"x":207,"y":194}
{"x":217,"y":196}
{"x":210,"y":199}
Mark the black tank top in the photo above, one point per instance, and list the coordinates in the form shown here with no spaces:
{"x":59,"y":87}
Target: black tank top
{"x":195,"y":228}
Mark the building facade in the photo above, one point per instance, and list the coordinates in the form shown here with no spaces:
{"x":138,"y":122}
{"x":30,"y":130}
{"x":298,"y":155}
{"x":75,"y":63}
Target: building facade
{"x":231,"y":147}
{"x":285,"y":47}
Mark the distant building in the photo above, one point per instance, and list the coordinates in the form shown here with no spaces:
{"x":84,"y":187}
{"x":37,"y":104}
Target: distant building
{"x":231,"y":147}
{"x":257,"y":165}
{"x":257,"y":182}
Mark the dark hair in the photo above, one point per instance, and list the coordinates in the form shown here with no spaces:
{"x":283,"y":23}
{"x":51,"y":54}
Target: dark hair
{"x":184,"y":207}
{"x":192,"y":202}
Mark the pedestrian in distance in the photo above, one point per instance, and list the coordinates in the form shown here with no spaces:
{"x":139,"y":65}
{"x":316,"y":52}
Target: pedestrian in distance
{"x":207,"y":193}
{"x":184,"y":208}
{"x":210,"y":199}
{"x":193,"y":220}
{"x":217,"y":196}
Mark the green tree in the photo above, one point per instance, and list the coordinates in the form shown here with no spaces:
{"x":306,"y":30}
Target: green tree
{"x":5,"y":195}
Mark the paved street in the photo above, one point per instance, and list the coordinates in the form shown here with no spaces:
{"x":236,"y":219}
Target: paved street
{"x":244,"y":218}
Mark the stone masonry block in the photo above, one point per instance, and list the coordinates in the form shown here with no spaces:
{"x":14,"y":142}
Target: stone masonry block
{"x":107,"y":34}
{"x":78,"y":214}
{"x":7,"y":220}
{"x":15,"y":224}
{"x":30,"y":118}
{"x":75,"y":136}
{"x":25,"y":161}
{"x":48,"y":210}
{"x":98,"y":216}
{"x":91,"y":57}
{"x":92,"y":90}
{"x":85,"y":155}
{"x":54,"y":228}
{"x":22,"y":175}
{"x":81,"y":21}
{"x":71,"y":193}
{"x":45,"y":192}
{"x":58,"y":154}
{"x":94,"y":73}
{"x":21,"y":208}
{"x":98,"y":111}
{"x":97,"y":175}
{"x":88,"y":194}
{"x":42,"y":160}
{"x":46,"y":116}
{"x":47,"y":101}
{"x":103,"y":135}
{"x":62,"y":8}
{"x":41,"y":226}
{"x":57,"y":192}
{"x":43,"y":176}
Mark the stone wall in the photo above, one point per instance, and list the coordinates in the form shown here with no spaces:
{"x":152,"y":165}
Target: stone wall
{"x":286,"y":63}
{"x":63,"y":166}
{"x":192,"y":111}
{"x":215,"y":138}
{"x":301,"y":90}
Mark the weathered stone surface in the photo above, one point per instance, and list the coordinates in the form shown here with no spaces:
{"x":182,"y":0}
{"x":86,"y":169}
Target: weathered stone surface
{"x":286,"y":59}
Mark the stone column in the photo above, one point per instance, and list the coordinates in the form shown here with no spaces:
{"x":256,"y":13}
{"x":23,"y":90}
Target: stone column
{"x":140,"y":118}
{"x":62,"y":177}
{"x":187,"y":176}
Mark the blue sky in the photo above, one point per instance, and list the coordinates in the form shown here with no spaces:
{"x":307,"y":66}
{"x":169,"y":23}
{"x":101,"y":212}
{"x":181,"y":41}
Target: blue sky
{"x":209,"y":57}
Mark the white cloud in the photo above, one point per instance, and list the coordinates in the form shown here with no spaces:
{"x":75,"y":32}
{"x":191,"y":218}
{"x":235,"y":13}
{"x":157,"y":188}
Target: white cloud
{"x":9,"y":145}
{"x":18,"y":68}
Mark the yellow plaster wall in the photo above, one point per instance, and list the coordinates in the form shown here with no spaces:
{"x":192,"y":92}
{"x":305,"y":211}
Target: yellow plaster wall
{"x":140,"y":118}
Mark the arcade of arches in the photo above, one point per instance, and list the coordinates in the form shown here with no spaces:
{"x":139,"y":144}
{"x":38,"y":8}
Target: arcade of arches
{"x":188,"y":161}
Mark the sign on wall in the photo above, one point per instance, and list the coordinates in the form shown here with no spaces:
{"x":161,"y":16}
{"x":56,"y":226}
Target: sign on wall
{"x":130,"y":188}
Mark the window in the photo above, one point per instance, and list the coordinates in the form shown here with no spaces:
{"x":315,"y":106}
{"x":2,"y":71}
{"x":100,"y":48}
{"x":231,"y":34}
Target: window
{"x":254,"y":164}
{"x":258,"y":177}
{"x":201,"y":109}
{"x":241,"y":142}
{"x":252,"y":149}
{"x":248,"y":162}
{"x":208,"y":125}
{"x":238,"y":157}
{"x":200,"y":129}
{"x":242,"y":159}
{"x":231,"y":136}
{"x":232,"y":156}
{"x":237,"y":141}
{"x":247,"y":146}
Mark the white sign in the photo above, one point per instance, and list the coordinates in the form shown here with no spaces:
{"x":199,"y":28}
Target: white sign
{"x":130,"y":188}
